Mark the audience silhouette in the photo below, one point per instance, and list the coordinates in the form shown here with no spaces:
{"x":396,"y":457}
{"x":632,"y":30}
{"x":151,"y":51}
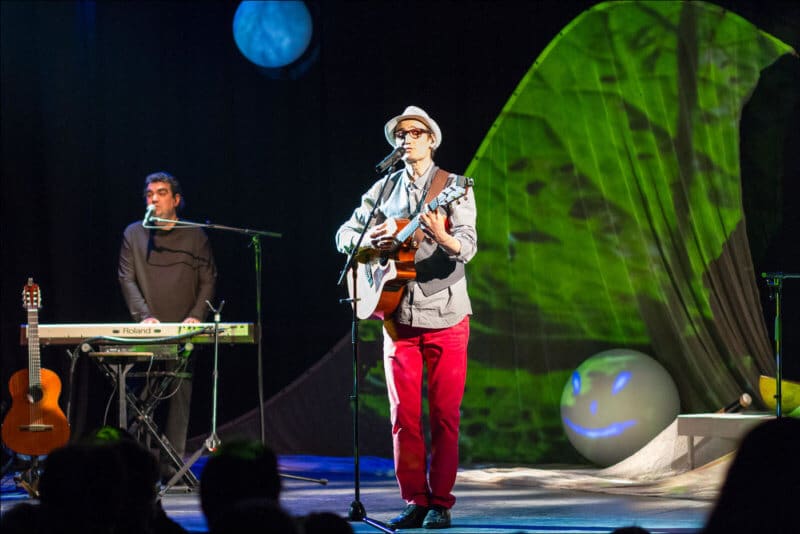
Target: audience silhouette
{"x":142,"y":510}
{"x":105,"y":484}
{"x":239,"y":471}
{"x":82,"y":489}
{"x":762,"y":485}
{"x":245,"y":515}
{"x":108,"y":484}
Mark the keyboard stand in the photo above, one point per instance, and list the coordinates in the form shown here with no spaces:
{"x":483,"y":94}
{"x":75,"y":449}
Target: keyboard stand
{"x":120,"y":371}
{"x":116,"y":364}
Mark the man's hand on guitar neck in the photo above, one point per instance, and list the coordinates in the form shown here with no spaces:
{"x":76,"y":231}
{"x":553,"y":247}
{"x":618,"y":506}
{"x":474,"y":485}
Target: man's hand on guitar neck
{"x":433,"y":224}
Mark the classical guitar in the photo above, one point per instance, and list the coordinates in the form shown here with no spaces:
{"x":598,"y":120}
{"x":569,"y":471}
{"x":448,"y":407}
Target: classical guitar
{"x":381,"y":275}
{"x":35,"y":424}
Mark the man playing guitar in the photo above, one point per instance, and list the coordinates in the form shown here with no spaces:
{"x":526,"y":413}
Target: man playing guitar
{"x":429,"y":327}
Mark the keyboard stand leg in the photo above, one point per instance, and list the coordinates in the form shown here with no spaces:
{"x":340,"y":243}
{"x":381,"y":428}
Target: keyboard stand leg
{"x":143,"y":417}
{"x":149,"y":401}
{"x":117,"y":374}
{"x":210,"y":444}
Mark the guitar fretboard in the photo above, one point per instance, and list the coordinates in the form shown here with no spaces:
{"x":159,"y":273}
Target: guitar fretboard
{"x":34,"y":356}
{"x":452,"y":192}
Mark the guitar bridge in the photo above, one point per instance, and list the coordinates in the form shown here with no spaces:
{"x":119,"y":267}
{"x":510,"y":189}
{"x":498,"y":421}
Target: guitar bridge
{"x":36,"y":428}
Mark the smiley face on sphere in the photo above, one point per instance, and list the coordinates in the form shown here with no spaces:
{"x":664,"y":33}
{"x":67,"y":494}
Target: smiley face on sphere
{"x":616,"y":402}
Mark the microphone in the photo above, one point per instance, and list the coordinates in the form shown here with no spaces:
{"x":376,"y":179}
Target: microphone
{"x":390,"y":160}
{"x":744,"y":401}
{"x":148,"y":215}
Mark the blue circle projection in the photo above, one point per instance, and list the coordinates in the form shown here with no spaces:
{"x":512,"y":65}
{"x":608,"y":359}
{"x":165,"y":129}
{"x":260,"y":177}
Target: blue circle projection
{"x":272,"y":34}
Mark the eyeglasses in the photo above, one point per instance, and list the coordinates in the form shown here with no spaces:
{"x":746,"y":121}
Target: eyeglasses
{"x":413,"y":132}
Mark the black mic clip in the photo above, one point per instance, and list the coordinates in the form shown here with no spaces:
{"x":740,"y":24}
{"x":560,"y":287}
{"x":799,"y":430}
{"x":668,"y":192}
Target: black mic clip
{"x":391,"y":160}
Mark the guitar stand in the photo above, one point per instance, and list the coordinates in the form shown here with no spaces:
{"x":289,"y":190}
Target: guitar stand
{"x":26,"y":478}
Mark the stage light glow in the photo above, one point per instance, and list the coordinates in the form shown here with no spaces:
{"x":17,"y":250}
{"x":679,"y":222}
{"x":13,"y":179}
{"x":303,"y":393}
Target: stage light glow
{"x":272,"y":34}
{"x":615,"y":402}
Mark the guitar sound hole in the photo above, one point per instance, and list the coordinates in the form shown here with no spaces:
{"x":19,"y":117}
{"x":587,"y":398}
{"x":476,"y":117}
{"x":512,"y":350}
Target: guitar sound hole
{"x":35,"y":393}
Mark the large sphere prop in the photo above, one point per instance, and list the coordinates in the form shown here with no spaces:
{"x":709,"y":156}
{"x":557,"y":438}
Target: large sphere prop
{"x":615,"y":403}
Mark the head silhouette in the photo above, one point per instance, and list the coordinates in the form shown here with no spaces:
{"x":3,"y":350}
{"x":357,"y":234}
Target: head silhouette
{"x":239,"y":470}
{"x":82,"y":489}
{"x":763,"y":482}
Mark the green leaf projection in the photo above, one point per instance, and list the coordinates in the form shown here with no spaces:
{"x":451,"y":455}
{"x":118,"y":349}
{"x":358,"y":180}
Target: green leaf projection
{"x":610,"y":216}
{"x":608,"y":194}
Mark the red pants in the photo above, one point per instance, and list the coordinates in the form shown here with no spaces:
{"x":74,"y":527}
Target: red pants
{"x":444,"y":353}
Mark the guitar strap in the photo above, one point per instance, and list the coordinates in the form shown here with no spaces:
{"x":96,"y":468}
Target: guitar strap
{"x":434,"y":269}
{"x":435,"y":187}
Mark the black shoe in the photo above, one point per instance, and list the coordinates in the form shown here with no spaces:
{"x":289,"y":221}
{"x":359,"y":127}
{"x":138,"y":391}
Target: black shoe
{"x":411,"y":517}
{"x":437,"y":517}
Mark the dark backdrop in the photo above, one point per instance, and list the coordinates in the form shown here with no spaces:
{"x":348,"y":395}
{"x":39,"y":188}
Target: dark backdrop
{"x":97,"y":95}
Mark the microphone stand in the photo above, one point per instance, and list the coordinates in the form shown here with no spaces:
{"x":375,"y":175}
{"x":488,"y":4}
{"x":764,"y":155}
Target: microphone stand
{"x":775,"y":284}
{"x":212,"y":441}
{"x":256,"y":242}
{"x":357,"y":511}
{"x":256,"y":236}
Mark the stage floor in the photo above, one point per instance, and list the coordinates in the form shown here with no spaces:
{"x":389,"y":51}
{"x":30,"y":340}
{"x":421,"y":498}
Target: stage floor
{"x":482,"y":507}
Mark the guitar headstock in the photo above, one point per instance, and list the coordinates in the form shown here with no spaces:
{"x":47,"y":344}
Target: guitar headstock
{"x":455,"y":191}
{"x":31,"y":296}
{"x":450,"y":194}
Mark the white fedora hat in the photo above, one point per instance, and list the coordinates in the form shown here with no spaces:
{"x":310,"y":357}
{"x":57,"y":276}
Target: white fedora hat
{"x":413,"y":112}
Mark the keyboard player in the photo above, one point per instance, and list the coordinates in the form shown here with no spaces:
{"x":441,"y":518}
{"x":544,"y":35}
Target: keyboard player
{"x":166,"y":273}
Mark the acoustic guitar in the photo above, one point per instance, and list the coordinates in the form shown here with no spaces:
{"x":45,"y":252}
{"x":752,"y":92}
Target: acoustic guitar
{"x":35,"y":424}
{"x":381,"y":276}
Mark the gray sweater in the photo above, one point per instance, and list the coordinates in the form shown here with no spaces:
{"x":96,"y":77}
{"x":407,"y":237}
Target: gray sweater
{"x":168,"y":275}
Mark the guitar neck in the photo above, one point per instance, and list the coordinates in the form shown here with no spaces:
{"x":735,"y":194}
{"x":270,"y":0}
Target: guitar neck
{"x":413,"y":224}
{"x":452,"y":192}
{"x":34,"y":355}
